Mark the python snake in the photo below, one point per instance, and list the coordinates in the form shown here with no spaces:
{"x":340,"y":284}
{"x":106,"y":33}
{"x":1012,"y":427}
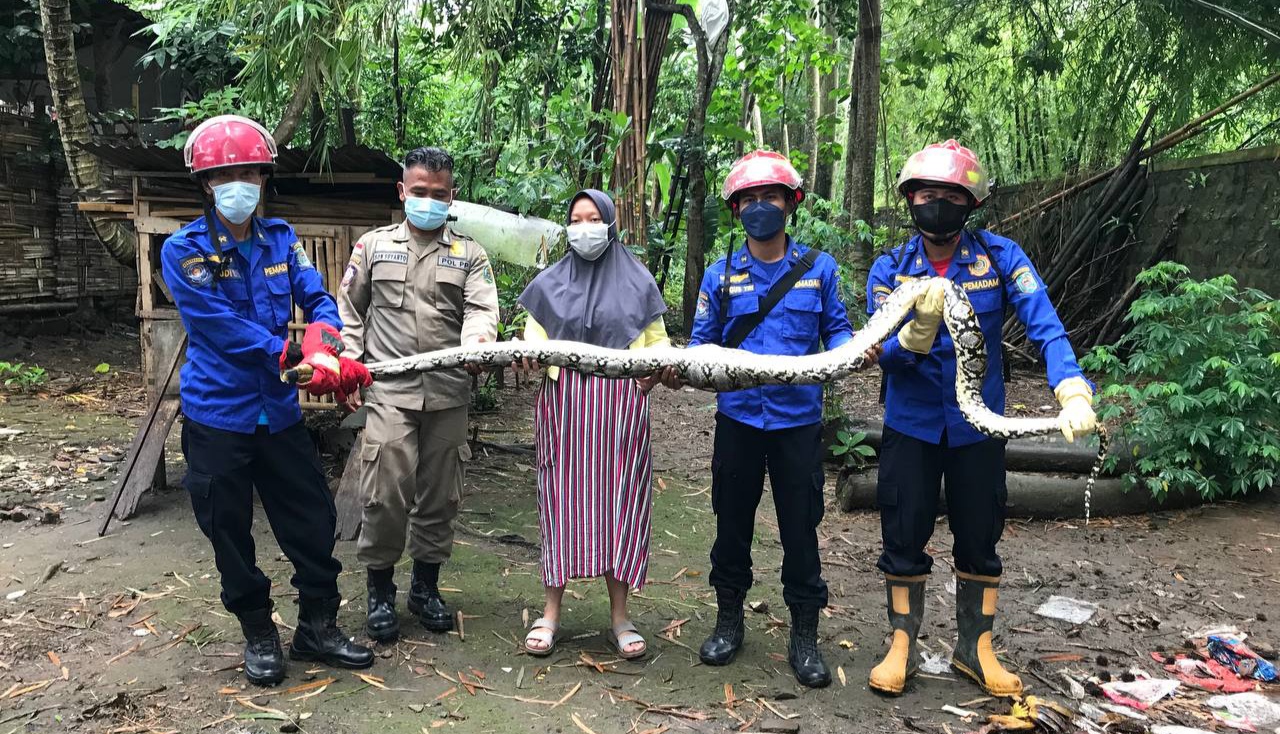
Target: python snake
{"x":715,"y":368}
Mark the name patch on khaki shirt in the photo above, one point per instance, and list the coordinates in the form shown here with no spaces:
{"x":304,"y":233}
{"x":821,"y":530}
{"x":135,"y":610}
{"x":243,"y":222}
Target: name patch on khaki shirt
{"x":455,"y":262}
{"x":390,"y":256}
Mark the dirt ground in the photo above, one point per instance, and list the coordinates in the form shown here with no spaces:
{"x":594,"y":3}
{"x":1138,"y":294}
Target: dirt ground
{"x":125,"y":633}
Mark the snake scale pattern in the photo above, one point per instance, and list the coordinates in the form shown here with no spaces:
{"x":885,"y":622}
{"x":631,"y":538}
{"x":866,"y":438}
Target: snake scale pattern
{"x":710,"y":367}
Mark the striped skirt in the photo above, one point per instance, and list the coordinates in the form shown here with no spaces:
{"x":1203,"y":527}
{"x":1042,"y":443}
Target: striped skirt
{"x":594,"y":479}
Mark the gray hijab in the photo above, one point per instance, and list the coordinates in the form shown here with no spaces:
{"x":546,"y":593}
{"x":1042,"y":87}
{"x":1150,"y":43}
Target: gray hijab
{"x":606,"y":302}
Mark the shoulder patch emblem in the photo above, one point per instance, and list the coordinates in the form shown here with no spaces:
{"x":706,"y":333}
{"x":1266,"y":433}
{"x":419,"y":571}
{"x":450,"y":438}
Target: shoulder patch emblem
{"x":349,"y":275}
{"x":197,"y":271}
{"x":980,"y":266}
{"x":704,"y":305}
{"x":1025,"y":281}
{"x":300,"y":253}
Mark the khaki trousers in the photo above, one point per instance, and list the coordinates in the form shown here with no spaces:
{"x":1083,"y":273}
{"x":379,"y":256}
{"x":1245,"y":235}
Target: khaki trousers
{"x":411,"y":465}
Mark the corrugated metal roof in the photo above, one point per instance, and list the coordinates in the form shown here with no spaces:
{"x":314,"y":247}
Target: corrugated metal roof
{"x":347,"y":159}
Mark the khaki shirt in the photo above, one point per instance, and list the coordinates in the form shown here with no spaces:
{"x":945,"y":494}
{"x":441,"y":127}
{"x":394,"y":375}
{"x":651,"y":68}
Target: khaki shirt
{"x":403,"y":294}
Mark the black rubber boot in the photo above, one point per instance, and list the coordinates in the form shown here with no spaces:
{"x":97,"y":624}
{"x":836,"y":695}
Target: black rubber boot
{"x":726,"y":639}
{"x":805,"y":658}
{"x":904,"y":597}
{"x":976,"y":598}
{"x":382,"y":623}
{"x":319,"y":639}
{"x":425,"y":600}
{"x":263,"y":658}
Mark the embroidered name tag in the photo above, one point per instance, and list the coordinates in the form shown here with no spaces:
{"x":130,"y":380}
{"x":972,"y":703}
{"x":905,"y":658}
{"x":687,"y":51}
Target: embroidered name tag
{"x":809,"y":283}
{"x":455,"y":262}
{"x":230,"y":273}
{"x":904,"y":278}
{"x":277,"y":269}
{"x":389,"y":256}
{"x":736,"y":289}
{"x":982,"y":285}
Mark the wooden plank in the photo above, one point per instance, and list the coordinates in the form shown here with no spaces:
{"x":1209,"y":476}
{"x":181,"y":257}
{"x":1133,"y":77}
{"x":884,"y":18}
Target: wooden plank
{"x":104,"y":206}
{"x":349,"y":501}
{"x":149,"y":440}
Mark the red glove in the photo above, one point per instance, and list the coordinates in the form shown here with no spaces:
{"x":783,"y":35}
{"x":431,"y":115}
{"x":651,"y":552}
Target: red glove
{"x":353,"y":377}
{"x":325,"y":374}
{"x":321,"y":338}
{"x":290,"y":356}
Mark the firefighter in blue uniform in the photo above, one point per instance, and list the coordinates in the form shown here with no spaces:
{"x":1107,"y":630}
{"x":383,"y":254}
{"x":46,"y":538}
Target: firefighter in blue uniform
{"x":925,"y":436}
{"x":771,"y":295}
{"x":235,"y":287}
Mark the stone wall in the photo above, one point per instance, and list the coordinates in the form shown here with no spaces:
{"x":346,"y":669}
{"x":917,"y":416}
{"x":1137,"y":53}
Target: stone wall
{"x":1230,"y":223}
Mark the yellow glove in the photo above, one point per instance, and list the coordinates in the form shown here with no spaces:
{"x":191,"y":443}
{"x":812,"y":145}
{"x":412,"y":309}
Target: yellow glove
{"x":1077,"y":417}
{"x":917,"y":335}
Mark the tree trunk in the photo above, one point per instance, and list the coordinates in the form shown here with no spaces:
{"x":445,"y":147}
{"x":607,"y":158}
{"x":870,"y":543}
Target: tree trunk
{"x":710,"y":62}
{"x":864,"y":117}
{"x":601,"y":91}
{"x":398,"y":86}
{"x":73,"y":125}
{"x":824,"y":108}
{"x":292,"y":117}
{"x":627,"y":53}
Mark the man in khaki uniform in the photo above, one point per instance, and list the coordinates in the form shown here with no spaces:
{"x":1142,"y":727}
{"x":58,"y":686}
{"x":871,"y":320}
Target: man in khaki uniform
{"x":409,"y":288}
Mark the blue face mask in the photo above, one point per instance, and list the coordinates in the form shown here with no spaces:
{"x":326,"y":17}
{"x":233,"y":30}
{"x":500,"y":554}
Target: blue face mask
{"x":237,"y":200}
{"x":762,"y":220}
{"x":425,"y":213}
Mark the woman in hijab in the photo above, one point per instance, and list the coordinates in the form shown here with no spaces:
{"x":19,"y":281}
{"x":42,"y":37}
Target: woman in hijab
{"x":594,"y":466}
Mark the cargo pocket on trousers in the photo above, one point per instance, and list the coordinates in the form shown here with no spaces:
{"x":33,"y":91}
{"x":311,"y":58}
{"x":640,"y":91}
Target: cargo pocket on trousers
{"x":719,"y":478}
{"x":818,"y":505}
{"x":368,"y":468}
{"x":200,"y":487}
{"x":464,"y":455}
{"x":886,"y":494}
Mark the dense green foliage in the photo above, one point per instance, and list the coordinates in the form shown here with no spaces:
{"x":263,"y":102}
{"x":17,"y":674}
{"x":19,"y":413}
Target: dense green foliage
{"x":1195,"y":385}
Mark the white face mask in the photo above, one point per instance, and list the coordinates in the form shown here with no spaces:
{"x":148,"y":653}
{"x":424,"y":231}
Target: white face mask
{"x":588,"y":239}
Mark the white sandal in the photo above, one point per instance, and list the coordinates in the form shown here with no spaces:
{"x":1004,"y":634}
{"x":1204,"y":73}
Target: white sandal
{"x":543,"y":630}
{"x":627,"y":634}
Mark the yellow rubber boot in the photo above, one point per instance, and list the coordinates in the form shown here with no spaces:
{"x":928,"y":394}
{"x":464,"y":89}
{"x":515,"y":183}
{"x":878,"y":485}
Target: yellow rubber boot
{"x":905,"y":601}
{"x":976,"y":598}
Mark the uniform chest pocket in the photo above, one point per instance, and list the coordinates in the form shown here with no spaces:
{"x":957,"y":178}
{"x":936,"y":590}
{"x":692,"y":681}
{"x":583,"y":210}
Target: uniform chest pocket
{"x":388,"y":284}
{"x":235,"y":290}
{"x":986,"y":300}
{"x":801,"y":310}
{"x":449,"y":288}
{"x":281,"y":299}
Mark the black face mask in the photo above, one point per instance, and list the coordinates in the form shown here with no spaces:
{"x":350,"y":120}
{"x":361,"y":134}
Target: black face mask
{"x":940,"y":220}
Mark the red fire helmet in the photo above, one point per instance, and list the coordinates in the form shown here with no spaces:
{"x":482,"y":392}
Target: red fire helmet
{"x":229,"y":140}
{"x":761,"y":168}
{"x":947,"y":163}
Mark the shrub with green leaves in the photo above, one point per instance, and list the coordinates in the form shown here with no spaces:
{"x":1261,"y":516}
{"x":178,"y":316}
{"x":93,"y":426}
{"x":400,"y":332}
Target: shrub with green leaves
{"x":1194,"y":386}
{"x":21,"y":376}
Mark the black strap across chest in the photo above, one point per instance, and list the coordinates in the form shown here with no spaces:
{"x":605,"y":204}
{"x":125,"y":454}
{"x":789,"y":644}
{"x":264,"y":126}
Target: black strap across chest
{"x":743,"y":327}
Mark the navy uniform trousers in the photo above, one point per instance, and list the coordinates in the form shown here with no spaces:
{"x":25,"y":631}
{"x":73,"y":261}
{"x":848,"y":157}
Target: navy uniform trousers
{"x":224,"y":467}
{"x":911,"y":473}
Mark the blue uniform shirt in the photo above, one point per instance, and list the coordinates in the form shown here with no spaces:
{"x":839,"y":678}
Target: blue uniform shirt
{"x":921,"y":396}
{"x":237,"y":322}
{"x":809,"y":317}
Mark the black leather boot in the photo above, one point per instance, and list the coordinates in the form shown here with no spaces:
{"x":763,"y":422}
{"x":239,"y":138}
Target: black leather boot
{"x":263,"y":658}
{"x":726,"y":639}
{"x":424,"y":598}
{"x":805,"y":658}
{"x":319,"y":639}
{"x":382,"y":623}
{"x":905,"y":601}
